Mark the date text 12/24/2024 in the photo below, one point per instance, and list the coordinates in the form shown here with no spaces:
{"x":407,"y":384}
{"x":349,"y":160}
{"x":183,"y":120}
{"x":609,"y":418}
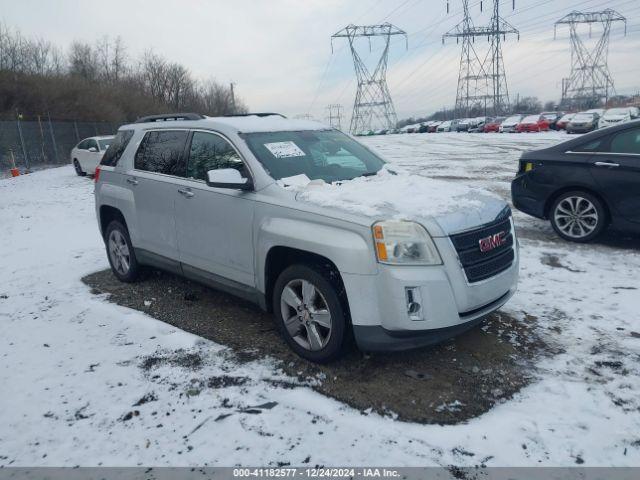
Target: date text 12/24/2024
{"x":292,"y":472}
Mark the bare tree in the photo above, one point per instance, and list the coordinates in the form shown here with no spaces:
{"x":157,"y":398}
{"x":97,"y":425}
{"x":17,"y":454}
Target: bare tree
{"x":96,"y":81}
{"x":83,"y":61}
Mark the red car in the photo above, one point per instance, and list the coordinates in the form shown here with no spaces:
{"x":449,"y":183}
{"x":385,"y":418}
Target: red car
{"x":533,"y":123}
{"x":493,"y":125}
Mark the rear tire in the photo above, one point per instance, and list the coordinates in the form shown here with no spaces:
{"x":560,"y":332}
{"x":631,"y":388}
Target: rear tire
{"x":120,"y":253}
{"x":578,"y":216}
{"x":310,"y":314}
{"x":78,"y":168}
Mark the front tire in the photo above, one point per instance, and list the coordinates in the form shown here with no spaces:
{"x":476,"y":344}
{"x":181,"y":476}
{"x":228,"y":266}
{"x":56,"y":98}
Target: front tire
{"x":310,"y":314}
{"x":578,"y":216}
{"x":78,"y":168}
{"x":120,"y":252}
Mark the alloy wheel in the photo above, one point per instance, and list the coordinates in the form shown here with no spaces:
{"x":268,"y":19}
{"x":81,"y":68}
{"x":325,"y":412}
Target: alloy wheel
{"x":306,"y":314}
{"x":576,"y":217}
{"x":119,"y":252}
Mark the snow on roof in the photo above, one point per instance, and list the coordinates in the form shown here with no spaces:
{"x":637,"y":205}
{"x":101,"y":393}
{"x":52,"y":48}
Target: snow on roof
{"x":271,"y":123}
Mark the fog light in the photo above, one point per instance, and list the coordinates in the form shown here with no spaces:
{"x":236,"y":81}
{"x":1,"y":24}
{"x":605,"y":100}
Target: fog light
{"x":414,"y":303}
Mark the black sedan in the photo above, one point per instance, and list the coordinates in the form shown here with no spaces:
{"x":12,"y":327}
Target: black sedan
{"x":584,"y":185}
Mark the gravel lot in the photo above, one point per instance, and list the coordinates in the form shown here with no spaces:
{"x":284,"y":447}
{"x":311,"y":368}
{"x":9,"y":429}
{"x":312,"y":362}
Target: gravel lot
{"x":446,"y":384}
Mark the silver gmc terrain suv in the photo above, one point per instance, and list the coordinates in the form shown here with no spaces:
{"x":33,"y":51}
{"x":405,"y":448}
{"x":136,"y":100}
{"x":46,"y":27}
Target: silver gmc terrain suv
{"x":309,"y":224}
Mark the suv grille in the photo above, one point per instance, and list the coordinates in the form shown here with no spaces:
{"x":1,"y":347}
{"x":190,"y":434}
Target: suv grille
{"x":478,"y":264}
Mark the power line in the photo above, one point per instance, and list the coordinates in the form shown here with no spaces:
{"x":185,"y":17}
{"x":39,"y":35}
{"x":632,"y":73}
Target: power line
{"x":590,"y":80}
{"x":482,"y":82}
{"x":334,"y":117}
{"x":373,"y":105}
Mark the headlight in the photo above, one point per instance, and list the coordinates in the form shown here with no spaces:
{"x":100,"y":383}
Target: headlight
{"x":404,"y":243}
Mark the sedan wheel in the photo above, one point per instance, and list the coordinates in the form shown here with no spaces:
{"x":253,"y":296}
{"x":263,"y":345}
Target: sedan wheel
{"x":78,"y":168}
{"x":578,"y":216}
{"x":306,"y":314}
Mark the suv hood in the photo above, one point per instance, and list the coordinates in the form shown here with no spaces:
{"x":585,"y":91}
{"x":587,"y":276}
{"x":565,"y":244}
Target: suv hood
{"x":443,"y":208}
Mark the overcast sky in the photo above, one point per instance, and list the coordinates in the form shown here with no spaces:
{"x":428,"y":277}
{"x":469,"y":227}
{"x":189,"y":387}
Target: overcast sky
{"x":278,"y":52}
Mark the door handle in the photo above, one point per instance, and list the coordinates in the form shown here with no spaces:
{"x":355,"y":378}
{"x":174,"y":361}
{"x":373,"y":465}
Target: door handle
{"x":186,"y":192}
{"x":607,"y":164}
{"x":132,"y":181}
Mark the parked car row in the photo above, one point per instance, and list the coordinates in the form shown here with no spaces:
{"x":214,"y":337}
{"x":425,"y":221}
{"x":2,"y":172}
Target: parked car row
{"x":578,"y":122}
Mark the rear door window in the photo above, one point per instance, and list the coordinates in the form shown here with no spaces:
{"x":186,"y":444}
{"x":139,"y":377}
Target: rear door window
{"x":161,"y":152}
{"x":116,"y":148}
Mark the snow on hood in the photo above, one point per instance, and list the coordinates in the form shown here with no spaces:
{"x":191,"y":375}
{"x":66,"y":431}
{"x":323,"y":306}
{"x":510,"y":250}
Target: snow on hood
{"x":394,"y":193}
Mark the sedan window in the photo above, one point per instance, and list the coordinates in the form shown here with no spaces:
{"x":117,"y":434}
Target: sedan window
{"x":595,"y":146}
{"x":626,"y":142}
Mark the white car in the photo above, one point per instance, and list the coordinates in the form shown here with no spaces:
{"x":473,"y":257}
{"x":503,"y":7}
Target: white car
{"x":599,"y":111}
{"x":86,"y":156}
{"x":510,"y":124}
{"x":444,"y":126}
{"x":614,"y":116}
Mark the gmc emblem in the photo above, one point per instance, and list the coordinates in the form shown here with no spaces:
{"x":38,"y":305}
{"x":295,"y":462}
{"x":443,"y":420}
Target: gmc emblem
{"x":492,"y":241}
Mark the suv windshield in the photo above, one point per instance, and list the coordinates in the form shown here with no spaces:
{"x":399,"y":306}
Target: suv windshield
{"x":319,"y":154}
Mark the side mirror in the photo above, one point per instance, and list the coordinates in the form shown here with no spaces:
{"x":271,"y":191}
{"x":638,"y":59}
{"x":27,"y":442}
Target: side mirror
{"x":93,"y":149}
{"x":228,"y":178}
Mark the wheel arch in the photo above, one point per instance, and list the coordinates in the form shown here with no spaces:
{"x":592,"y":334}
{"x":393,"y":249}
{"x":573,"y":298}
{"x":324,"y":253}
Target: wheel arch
{"x":280,"y":257}
{"x":108,"y":214}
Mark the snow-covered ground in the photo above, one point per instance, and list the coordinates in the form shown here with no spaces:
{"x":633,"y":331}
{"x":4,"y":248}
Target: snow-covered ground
{"x":74,"y":391}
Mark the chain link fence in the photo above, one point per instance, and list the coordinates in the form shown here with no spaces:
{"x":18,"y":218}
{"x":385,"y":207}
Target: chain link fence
{"x":36,"y":144}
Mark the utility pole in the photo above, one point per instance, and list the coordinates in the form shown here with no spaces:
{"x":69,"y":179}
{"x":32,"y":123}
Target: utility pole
{"x":482,"y":81}
{"x":334,"y":118}
{"x":590,"y":80}
{"x":373,"y":106}
{"x":233,"y":98}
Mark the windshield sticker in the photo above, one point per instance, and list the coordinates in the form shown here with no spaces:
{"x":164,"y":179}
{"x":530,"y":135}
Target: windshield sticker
{"x":284,"y":149}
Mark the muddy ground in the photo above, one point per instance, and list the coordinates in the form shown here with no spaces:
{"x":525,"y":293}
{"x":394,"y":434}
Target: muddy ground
{"x":446,"y":384}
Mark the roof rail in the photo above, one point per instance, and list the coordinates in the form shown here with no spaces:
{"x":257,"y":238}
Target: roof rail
{"x":170,"y":117}
{"x":257,"y":114}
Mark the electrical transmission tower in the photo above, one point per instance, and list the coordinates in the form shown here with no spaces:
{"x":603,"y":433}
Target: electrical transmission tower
{"x":482,"y":81}
{"x":335,"y":116}
{"x":590,"y":80}
{"x":373,"y":106}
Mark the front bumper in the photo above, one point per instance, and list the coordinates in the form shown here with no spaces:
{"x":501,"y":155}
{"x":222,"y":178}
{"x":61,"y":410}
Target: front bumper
{"x":378,"y":339}
{"x":449,"y":303}
{"x":580,"y":128}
